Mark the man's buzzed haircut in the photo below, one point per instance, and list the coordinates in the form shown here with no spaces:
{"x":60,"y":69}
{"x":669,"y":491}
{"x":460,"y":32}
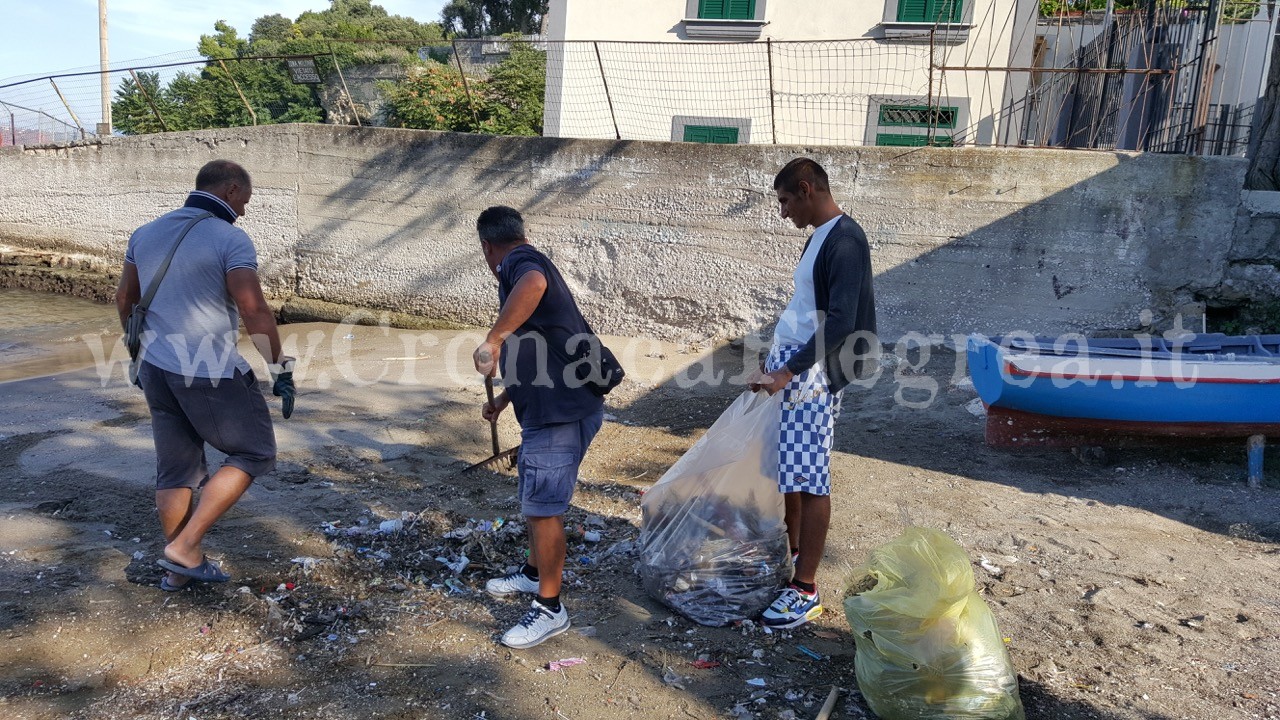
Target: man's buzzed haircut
{"x":218,"y":173}
{"x":500,"y":225}
{"x":789,"y":177}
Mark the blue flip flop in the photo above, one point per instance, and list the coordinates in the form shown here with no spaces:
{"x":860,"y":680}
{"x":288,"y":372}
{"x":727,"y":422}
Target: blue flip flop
{"x":167,"y":586}
{"x":207,"y":571}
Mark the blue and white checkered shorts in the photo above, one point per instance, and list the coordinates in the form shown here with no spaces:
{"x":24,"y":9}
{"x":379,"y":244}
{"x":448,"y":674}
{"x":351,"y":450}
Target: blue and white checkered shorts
{"x":809,"y":412}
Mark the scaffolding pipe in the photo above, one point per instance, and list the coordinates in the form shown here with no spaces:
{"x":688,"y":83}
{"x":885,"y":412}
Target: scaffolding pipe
{"x":465,"y":85}
{"x":1200,"y":89}
{"x":243,"y":99}
{"x":608,"y":98}
{"x":70,"y":112}
{"x":147,"y":96}
{"x":355,"y":113}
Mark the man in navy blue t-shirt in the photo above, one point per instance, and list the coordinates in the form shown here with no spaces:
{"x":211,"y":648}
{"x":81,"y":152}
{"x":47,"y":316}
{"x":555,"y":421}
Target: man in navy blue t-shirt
{"x":532,"y":343}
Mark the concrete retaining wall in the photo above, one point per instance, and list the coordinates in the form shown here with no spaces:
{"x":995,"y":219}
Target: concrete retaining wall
{"x":665,"y":239}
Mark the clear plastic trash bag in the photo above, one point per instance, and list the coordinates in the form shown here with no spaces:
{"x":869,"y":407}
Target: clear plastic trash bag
{"x":928,"y":647}
{"x":713,"y":535}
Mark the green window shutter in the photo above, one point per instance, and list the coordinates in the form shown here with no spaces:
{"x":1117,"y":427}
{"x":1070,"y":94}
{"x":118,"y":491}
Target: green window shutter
{"x":725,"y":135}
{"x":898,"y":140}
{"x":697,"y":133}
{"x":905,"y":140}
{"x":727,"y":9}
{"x":918,"y":116}
{"x":711,"y":9}
{"x":930,"y":11}
{"x":946,"y":11}
{"x":711,"y":134}
{"x":913,"y":10}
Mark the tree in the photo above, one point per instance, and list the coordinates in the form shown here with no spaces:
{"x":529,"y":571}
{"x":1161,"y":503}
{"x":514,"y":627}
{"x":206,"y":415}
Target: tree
{"x":130,"y":111}
{"x":514,"y":92}
{"x":208,"y":98}
{"x":480,"y":18}
{"x":434,"y":97}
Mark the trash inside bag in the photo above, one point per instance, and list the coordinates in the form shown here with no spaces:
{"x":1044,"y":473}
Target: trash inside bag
{"x":927,"y":645}
{"x":713,"y":536}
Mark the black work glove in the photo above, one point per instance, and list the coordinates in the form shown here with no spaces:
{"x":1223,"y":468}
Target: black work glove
{"x":282,"y":385}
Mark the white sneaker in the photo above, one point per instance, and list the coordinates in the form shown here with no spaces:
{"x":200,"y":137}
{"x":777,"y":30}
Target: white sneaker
{"x":538,"y":625}
{"x":513,"y":584}
{"x":793,"y":608}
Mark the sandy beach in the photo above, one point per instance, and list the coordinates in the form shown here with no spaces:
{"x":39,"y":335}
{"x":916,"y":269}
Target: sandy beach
{"x":1139,"y":585}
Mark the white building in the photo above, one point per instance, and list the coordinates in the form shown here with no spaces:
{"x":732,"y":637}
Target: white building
{"x":839,"y":72}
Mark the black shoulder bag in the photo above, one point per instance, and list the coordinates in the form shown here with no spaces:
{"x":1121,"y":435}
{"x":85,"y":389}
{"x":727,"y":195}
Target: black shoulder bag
{"x":601,"y":372}
{"x":133,"y":325}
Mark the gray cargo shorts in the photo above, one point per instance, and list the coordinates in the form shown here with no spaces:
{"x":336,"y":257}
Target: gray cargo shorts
{"x":549,"y":460}
{"x":229,"y":414}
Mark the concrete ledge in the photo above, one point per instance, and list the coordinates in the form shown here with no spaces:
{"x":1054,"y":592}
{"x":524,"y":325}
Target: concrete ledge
{"x":298,"y":310}
{"x":32,"y":274}
{"x":1261,"y":202}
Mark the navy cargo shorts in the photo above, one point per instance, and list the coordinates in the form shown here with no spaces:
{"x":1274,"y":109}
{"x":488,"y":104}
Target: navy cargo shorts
{"x":549,"y":460}
{"x":186,"y":412}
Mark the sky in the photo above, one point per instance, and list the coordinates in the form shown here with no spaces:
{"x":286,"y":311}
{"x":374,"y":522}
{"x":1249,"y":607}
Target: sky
{"x":45,"y":37}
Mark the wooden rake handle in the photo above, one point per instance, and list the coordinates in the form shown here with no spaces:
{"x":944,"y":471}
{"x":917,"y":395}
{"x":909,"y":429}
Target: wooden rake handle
{"x":493,"y":426}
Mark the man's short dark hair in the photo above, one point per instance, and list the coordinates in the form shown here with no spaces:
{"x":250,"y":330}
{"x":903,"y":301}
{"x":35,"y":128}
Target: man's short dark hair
{"x":500,"y":225}
{"x":789,"y":177}
{"x":217,"y":173}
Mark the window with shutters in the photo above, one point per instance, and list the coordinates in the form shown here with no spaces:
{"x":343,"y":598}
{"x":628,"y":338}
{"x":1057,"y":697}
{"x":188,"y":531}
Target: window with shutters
{"x":918,"y":116}
{"x":930,"y":11}
{"x":710,"y":129}
{"x":741,"y":20}
{"x":945,"y":22}
{"x":905,"y":140}
{"x":906,"y":121}
{"x":711,"y":134}
{"x":726,"y":9}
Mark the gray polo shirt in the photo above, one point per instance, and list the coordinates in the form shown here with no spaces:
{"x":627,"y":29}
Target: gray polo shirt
{"x":192,"y":324}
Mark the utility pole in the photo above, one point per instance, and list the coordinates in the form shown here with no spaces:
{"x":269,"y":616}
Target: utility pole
{"x":104,"y":127}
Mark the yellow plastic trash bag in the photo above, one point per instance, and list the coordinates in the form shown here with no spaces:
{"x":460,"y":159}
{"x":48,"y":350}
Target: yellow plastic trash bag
{"x":928,"y":646}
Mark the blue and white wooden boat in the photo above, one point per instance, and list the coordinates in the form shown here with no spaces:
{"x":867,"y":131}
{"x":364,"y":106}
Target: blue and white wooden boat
{"x":1207,"y":379}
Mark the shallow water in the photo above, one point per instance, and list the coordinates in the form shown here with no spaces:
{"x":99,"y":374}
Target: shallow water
{"x":43,"y":334}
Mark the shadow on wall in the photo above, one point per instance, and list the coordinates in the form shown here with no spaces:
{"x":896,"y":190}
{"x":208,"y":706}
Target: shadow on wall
{"x":418,"y":176}
{"x":1149,"y":233}
{"x":1007,"y":276}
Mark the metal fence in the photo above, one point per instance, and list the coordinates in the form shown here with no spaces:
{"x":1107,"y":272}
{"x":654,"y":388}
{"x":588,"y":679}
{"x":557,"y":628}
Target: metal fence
{"x":1170,"y":77}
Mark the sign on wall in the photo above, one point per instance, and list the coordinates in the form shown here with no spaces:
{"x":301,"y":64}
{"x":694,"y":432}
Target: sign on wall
{"x":303,"y":70}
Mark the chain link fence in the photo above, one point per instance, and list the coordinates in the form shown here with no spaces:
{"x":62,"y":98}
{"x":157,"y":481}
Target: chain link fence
{"x":1172,"y":79}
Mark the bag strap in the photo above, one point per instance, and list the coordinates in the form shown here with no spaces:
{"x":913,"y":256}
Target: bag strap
{"x":164,"y":266}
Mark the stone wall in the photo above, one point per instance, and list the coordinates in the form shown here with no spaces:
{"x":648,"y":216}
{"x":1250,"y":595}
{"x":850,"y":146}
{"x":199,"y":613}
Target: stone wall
{"x":671,"y":240}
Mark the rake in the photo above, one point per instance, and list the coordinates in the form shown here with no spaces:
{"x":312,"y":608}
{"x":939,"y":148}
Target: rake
{"x":500,"y":458}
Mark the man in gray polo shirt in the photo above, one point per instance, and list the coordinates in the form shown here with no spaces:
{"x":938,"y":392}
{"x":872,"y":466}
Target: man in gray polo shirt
{"x":198,"y":387}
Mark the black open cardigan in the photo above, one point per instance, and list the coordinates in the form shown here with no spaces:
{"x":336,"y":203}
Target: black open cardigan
{"x":846,"y":305}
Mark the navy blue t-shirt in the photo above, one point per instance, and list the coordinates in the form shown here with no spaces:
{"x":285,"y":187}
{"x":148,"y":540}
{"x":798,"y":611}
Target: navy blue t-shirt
{"x":535,"y":356}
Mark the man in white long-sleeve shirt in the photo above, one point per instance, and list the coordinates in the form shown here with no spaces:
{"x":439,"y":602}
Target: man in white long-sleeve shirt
{"x":828,"y":326}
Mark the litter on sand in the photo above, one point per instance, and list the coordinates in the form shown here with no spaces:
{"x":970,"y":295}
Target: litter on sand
{"x":810,"y":653}
{"x":713,"y":537}
{"x":557,"y":665}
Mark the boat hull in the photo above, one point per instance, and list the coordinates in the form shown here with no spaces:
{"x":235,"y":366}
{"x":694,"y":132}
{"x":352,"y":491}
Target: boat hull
{"x":1144,"y":390}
